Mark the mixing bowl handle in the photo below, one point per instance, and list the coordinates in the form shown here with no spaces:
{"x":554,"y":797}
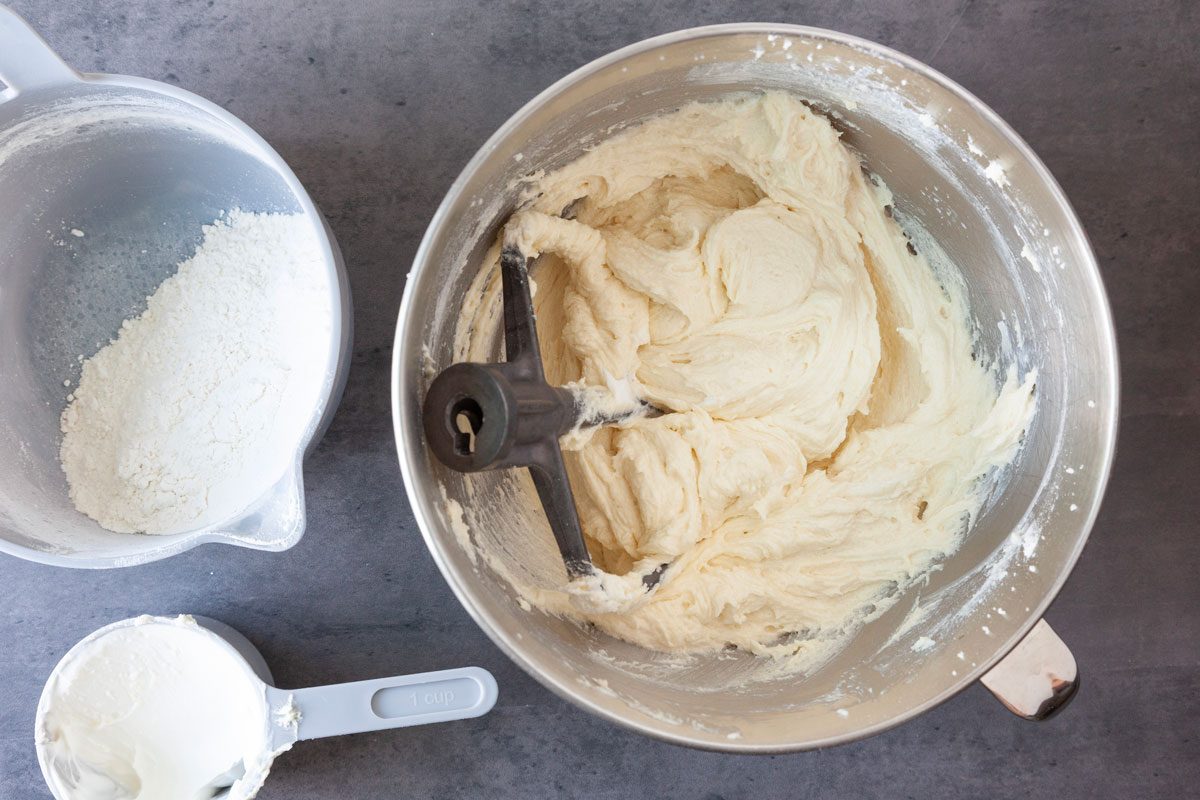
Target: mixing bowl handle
{"x":384,"y":703}
{"x":1037,"y":678}
{"x":26,"y":61}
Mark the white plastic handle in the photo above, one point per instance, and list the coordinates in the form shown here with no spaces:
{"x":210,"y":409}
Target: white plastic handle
{"x":386,"y":702}
{"x":26,"y":61}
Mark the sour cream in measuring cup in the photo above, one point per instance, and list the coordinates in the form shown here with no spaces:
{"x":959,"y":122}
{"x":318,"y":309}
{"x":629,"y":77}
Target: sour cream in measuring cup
{"x":153,"y":708}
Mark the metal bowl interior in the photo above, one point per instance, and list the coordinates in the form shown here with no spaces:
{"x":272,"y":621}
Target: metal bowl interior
{"x":105,"y":184}
{"x":973,"y":195}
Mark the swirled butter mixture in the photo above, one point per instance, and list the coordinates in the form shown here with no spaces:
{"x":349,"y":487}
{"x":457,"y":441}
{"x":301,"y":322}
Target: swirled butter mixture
{"x":828,"y":429}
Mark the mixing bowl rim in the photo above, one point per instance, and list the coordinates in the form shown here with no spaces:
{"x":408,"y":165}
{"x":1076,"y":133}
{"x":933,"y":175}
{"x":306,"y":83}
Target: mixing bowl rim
{"x":408,"y":438}
{"x":341,"y":325}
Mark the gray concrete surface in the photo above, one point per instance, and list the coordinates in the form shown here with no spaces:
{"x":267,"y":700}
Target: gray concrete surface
{"x":377,"y":105}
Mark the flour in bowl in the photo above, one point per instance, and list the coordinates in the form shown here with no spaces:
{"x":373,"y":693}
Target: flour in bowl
{"x":197,"y":407}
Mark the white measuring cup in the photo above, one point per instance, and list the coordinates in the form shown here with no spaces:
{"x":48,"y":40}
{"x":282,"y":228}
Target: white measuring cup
{"x":286,"y":716}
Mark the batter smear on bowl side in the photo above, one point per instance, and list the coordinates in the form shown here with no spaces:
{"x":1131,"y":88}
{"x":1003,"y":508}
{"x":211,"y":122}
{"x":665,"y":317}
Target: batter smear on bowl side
{"x":829,"y":433}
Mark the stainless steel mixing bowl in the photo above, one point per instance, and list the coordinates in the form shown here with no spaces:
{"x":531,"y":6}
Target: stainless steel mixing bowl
{"x":105,"y":182}
{"x":963,"y":181}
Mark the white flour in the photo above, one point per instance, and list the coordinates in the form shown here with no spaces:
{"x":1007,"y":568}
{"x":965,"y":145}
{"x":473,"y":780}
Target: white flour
{"x":196,"y":408}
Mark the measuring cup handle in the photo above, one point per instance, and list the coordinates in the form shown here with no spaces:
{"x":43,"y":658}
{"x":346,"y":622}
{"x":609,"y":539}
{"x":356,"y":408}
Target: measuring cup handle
{"x":26,"y":61}
{"x":388,"y":702}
